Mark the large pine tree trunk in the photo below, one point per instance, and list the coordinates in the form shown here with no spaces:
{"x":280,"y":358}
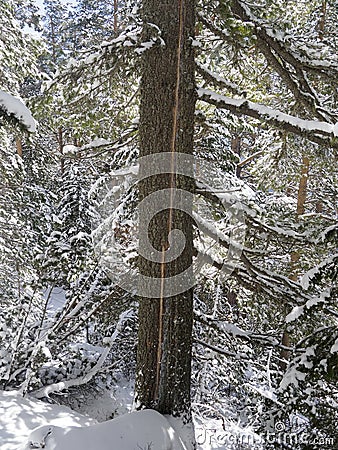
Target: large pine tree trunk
{"x":166,"y":126}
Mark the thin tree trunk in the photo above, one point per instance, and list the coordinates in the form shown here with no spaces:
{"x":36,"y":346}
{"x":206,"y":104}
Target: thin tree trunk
{"x":302,"y":190}
{"x":236,"y":148}
{"x":54,"y":57}
{"x":166,"y":125}
{"x":19,"y":146}
{"x":295,"y":256}
{"x":61,"y":145}
{"x":322,"y":19}
{"x":115,"y":15}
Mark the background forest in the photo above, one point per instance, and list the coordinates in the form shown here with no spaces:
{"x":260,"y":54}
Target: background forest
{"x":265,"y":338}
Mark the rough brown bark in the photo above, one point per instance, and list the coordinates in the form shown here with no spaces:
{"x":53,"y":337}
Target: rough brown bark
{"x":166,"y":125}
{"x":302,"y":189}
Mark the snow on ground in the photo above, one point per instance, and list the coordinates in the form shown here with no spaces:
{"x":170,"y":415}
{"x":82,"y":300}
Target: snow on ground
{"x":18,"y":416}
{"x":109,"y":404}
{"x":27,"y":424}
{"x":143,"y":430}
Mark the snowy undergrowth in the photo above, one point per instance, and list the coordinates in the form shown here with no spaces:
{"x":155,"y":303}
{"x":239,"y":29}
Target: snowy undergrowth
{"x":106,"y":404}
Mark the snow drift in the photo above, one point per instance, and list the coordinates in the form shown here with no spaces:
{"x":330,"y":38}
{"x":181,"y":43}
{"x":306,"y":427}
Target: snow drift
{"x":140,"y":430}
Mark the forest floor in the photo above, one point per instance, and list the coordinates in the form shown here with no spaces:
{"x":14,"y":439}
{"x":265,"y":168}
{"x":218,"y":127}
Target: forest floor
{"x":26,"y":423}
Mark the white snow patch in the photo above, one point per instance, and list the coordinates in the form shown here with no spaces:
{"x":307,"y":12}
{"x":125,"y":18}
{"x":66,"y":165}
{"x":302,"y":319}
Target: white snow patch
{"x":299,"y":310}
{"x":56,"y":298}
{"x":137,"y":430}
{"x":334,"y":348}
{"x":110,"y":403}
{"x":307,"y":277}
{"x":296,"y":312}
{"x":15,"y":106}
{"x":98,"y":142}
{"x":18,"y":416}
{"x":225,"y":434}
{"x":70,"y":149}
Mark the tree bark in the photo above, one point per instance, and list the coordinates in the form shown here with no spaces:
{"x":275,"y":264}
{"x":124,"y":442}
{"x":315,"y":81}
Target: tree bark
{"x":116,"y":5}
{"x":322,"y":20}
{"x":61,"y":145}
{"x":166,"y":126}
{"x":295,"y":256}
{"x":19,"y":146}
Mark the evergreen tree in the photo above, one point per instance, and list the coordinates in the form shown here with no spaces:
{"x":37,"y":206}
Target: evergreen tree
{"x":165,"y":322}
{"x":265,"y":141}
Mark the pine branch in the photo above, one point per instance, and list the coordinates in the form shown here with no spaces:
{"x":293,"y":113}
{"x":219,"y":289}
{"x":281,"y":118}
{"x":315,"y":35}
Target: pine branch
{"x":277,"y":54}
{"x":236,"y":332}
{"x":251,"y":217}
{"x":221,"y":351}
{"x":217,"y":80}
{"x":321,"y":133}
{"x":255,"y":279}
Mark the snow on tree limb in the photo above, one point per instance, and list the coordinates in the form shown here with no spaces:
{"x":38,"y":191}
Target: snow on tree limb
{"x":292,"y":62}
{"x":281,"y":55}
{"x":13,"y":109}
{"x":258,"y":280}
{"x":268,"y":339}
{"x":217,"y":80}
{"x":221,"y":351}
{"x":297,"y":84}
{"x":251,"y":216}
{"x":322,"y":133}
{"x":277,"y":39}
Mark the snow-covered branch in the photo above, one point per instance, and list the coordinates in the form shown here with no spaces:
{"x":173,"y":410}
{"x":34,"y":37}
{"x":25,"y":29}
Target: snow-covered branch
{"x":279,"y":54}
{"x":217,"y":80}
{"x":279,"y":41}
{"x":258,"y":280}
{"x":251,"y":216}
{"x":14,"y":110}
{"x":222,"y":351}
{"x":322,"y":133}
{"x":99,"y":146}
{"x":236,"y":332}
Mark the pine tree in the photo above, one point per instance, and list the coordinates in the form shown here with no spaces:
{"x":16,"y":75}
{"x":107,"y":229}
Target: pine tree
{"x":266,"y":79}
{"x":57,"y":34}
{"x":165,"y":322}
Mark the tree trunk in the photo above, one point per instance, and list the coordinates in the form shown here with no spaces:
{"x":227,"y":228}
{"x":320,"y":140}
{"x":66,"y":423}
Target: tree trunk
{"x":322,"y":19}
{"x":301,"y":200}
{"x":19,"y":146}
{"x":302,"y":189}
{"x":61,"y":145}
{"x":166,"y":127}
{"x":116,"y":5}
